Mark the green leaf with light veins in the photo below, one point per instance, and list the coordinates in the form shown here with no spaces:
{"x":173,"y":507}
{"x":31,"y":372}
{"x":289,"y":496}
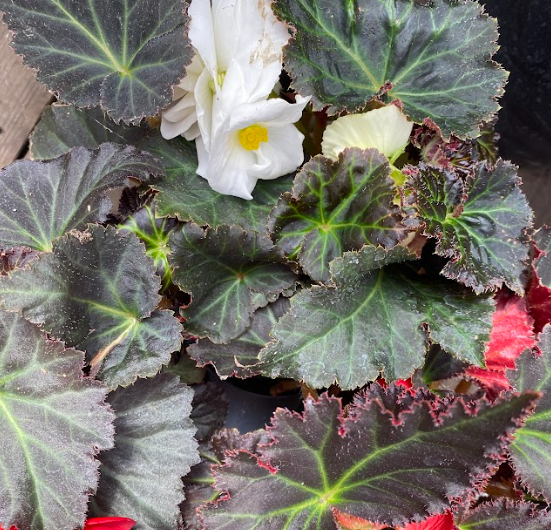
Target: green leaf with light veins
{"x":229,"y":273}
{"x":97,"y":291}
{"x":40,"y":201}
{"x":378,"y":464}
{"x":435,"y":59}
{"x":124,"y":56}
{"x":154,"y":448}
{"x":53,"y":422}
{"x":374,"y":320}
{"x":531,"y":449}
{"x":337,"y":206}
{"x":481,"y":223}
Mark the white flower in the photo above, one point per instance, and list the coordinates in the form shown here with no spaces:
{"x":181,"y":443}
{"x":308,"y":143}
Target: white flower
{"x":385,"y":129}
{"x":256,"y":141}
{"x":222,"y":103}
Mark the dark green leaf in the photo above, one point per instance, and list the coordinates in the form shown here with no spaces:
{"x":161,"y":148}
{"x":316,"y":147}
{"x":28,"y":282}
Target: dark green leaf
{"x":40,"y":201}
{"x":154,"y":448}
{"x":53,"y":421}
{"x":199,"y":484}
{"x":210,"y":408}
{"x":239,"y":357}
{"x":436,"y":60}
{"x":187,"y":370}
{"x":124,"y":57}
{"x":186,"y":195}
{"x":542,"y":238}
{"x":336,"y":206}
{"x":506,"y":516}
{"x":532,"y":445}
{"x":374,"y":321}
{"x":374,"y":464}
{"x":62,"y":127}
{"x":98,"y":291}
{"x":481,"y":223}
{"x":229,"y":273}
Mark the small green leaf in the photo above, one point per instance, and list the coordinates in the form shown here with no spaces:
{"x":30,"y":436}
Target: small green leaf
{"x":40,"y":201}
{"x":53,"y":421}
{"x":97,"y":291}
{"x":435,"y":59}
{"x":225,"y":270}
{"x":374,"y":321}
{"x":377,"y":464}
{"x":481,"y":224}
{"x":337,"y":206}
{"x":186,"y":195}
{"x":62,"y":127}
{"x":155,"y":233}
{"x":124,"y":57}
{"x":154,"y":448}
{"x":532,"y":446}
{"x":239,"y":357}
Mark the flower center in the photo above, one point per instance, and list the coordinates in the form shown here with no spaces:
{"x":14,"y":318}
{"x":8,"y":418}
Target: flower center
{"x":219,"y":79}
{"x":251,"y":137}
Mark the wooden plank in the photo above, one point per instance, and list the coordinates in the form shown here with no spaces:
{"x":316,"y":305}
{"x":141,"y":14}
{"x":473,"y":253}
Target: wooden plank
{"x":22,"y":100}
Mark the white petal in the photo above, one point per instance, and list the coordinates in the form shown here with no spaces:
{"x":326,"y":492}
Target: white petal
{"x":229,"y":165}
{"x":192,"y":133}
{"x":281,"y":154}
{"x":385,"y":129}
{"x":201,"y":32}
{"x":202,"y":158}
{"x":268,"y":112}
{"x":203,"y":104}
{"x":226,"y":31}
{"x":179,"y":117}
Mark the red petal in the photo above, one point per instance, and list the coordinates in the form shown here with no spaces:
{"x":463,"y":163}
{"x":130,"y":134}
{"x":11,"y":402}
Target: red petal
{"x":512,"y":333}
{"x":109,"y":523}
{"x":539,"y":302}
{"x":438,"y":522}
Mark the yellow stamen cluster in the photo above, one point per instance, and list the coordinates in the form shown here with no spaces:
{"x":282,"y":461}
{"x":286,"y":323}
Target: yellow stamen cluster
{"x":251,"y":137}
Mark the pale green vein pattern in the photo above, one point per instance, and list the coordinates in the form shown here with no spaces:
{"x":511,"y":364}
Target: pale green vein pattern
{"x":481,"y":223}
{"x":40,"y":201}
{"x":123,"y":55}
{"x":53,"y":422}
{"x":229,"y":273}
{"x":436,"y":60}
{"x":364,"y":465}
{"x":337,"y":206}
{"x":371,"y":322}
{"x":97,"y":290}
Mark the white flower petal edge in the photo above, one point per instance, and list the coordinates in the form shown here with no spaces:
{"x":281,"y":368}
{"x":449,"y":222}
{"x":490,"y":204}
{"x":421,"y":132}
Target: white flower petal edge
{"x":258,"y":141}
{"x":385,"y":129}
{"x":239,"y":45}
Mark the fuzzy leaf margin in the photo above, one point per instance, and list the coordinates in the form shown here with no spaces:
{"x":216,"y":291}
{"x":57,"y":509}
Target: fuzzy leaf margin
{"x":435,"y":58}
{"x":481,"y":223}
{"x":316,"y":463}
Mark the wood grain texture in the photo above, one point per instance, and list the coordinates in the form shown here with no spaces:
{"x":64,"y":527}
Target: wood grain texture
{"x":22,"y":100}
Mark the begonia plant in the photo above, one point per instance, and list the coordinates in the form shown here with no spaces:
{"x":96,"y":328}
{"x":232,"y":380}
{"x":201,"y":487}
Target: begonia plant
{"x":301,"y":194}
